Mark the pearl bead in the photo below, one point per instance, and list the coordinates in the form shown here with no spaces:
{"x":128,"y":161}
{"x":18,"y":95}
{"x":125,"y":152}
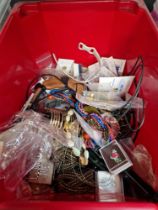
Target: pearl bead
{"x":86,"y":154}
{"x":70,"y":112}
{"x":67,"y":118}
{"x":76,"y":151}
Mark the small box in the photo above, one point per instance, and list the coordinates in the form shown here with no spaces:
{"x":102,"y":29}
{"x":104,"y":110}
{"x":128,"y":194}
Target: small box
{"x":115,"y":157}
{"x":109,"y":187}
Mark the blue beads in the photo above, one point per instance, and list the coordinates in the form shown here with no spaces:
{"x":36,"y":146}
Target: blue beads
{"x":99,"y":120}
{"x":79,"y":110}
{"x":64,"y":95}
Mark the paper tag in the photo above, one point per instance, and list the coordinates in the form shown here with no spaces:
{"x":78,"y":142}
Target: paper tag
{"x":120,"y":84}
{"x":115,"y":157}
{"x":65,"y":65}
{"x":76,"y":70}
{"x":109,"y":187}
{"x":42,"y":173}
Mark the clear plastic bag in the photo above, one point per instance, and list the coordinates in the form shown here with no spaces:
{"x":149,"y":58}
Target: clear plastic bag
{"x":110,"y":105}
{"x":23,"y":146}
{"x":102,"y":96}
{"x":142,"y":162}
{"x":143,"y":166}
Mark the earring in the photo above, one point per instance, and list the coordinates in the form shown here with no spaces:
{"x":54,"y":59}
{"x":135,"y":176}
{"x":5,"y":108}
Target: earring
{"x":68,"y":120}
{"x":84,"y":156}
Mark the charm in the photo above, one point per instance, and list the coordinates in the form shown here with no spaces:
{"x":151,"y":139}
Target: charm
{"x":84,"y":156}
{"x":83,"y":161}
{"x":68,"y":121}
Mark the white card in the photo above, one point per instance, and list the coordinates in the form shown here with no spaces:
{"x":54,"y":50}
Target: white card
{"x":120,"y":84}
{"x":65,"y":65}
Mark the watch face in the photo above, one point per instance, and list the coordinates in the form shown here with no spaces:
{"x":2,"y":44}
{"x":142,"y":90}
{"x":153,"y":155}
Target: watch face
{"x":115,"y":157}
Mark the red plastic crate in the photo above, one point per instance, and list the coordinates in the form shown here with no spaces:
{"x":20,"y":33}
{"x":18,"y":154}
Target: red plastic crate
{"x":34,"y":31}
